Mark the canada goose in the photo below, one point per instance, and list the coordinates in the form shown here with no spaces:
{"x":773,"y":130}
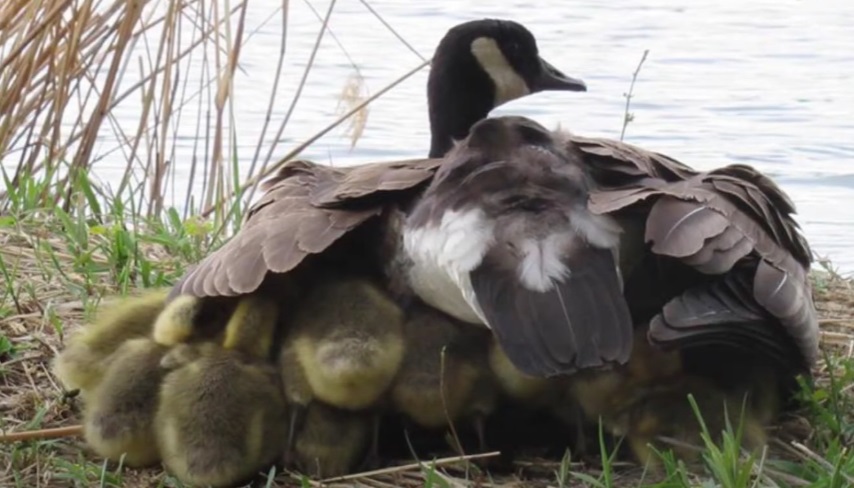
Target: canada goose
{"x":477,"y":66}
{"x":344,"y":346}
{"x":330,"y":441}
{"x":222,"y":416}
{"x":83,"y":362}
{"x":723,"y":242}
{"x":444,"y":375}
{"x":119,"y":413}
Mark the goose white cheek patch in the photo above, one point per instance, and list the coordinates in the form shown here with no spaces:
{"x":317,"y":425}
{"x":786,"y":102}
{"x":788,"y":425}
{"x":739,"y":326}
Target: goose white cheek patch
{"x":508,"y":84}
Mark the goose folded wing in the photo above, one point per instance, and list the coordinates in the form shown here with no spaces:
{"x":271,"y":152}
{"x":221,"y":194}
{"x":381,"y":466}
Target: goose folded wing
{"x":715,"y":237}
{"x":722,"y":312}
{"x":289,"y":222}
{"x":719,"y":224}
{"x":581,"y":322}
{"x":614,"y":164}
{"x":360,"y":183}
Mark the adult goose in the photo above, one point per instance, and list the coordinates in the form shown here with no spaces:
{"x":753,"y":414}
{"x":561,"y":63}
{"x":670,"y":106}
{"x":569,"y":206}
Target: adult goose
{"x":711,"y":259}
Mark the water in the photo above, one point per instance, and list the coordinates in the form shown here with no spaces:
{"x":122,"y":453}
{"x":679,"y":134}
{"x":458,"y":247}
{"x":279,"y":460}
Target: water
{"x":767,"y":83}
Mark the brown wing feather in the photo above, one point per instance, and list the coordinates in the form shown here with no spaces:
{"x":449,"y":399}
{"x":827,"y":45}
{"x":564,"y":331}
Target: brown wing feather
{"x":777,"y":207}
{"x":714,"y":222}
{"x":615,"y":163}
{"x":780,"y":283}
{"x":289,"y":222}
{"x":358,"y":182}
{"x":721,"y":252}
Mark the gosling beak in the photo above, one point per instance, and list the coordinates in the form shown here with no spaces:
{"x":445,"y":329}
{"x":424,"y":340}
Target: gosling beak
{"x":551,"y":78}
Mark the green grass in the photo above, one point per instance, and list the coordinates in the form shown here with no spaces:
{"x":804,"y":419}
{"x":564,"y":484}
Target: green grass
{"x":52,"y":257}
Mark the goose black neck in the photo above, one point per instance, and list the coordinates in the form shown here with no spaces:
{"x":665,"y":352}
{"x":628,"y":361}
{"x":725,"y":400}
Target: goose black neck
{"x":459,"y":94}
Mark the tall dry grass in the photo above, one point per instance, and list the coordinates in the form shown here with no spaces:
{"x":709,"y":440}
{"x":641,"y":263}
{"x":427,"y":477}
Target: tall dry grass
{"x":66,"y":67}
{"x":62,"y":63}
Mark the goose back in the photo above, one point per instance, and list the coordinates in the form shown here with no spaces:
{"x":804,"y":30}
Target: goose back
{"x":730,"y":219}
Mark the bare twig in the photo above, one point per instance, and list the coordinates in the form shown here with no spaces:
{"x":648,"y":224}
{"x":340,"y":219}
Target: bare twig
{"x":275,"y":88}
{"x":419,"y":465}
{"x":54,"y":433}
{"x":628,"y":116}
{"x":297,"y":94}
{"x":392,"y":30}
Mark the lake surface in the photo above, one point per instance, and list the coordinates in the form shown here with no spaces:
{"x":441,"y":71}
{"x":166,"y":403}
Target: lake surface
{"x":767,"y":83}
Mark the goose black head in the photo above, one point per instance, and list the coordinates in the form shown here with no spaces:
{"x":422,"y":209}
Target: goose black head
{"x":480,"y":65}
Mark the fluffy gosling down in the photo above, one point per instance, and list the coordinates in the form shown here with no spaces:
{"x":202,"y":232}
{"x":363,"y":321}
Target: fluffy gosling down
{"x":119,"y":414}
{"x":535,"y":395}
{"x":86,"y":357}
{"x":188,"y":318}
{"x":444,"y":376}
{"x":664,"y":418}
{"x":331,"y":441}
{"x":647,"y":400}
{"x":344,"y":347}
{"x":222,"y":414}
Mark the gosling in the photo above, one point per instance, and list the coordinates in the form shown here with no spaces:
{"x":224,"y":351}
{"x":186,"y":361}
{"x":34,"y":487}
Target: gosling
{"x":222,"y":414}
{"x":445,"y":376}
{"x":331,"y":441}
{"x":344,"y":348}
{"x":84,"y":361}
{"x":118,"y":416}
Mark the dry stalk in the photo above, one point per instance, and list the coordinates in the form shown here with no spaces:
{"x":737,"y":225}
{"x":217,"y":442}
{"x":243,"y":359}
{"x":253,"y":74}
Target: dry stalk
{"x":253,"y":181}
{"x":351,"y":96}
{"x":129,"y":18}
{"x":274,"y":89}
{"x":291,"y":108}
{"x":53,"y":433}
{"x":408,"y":467}
{"x":167,"y":47}
{"x":60,"y":56}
